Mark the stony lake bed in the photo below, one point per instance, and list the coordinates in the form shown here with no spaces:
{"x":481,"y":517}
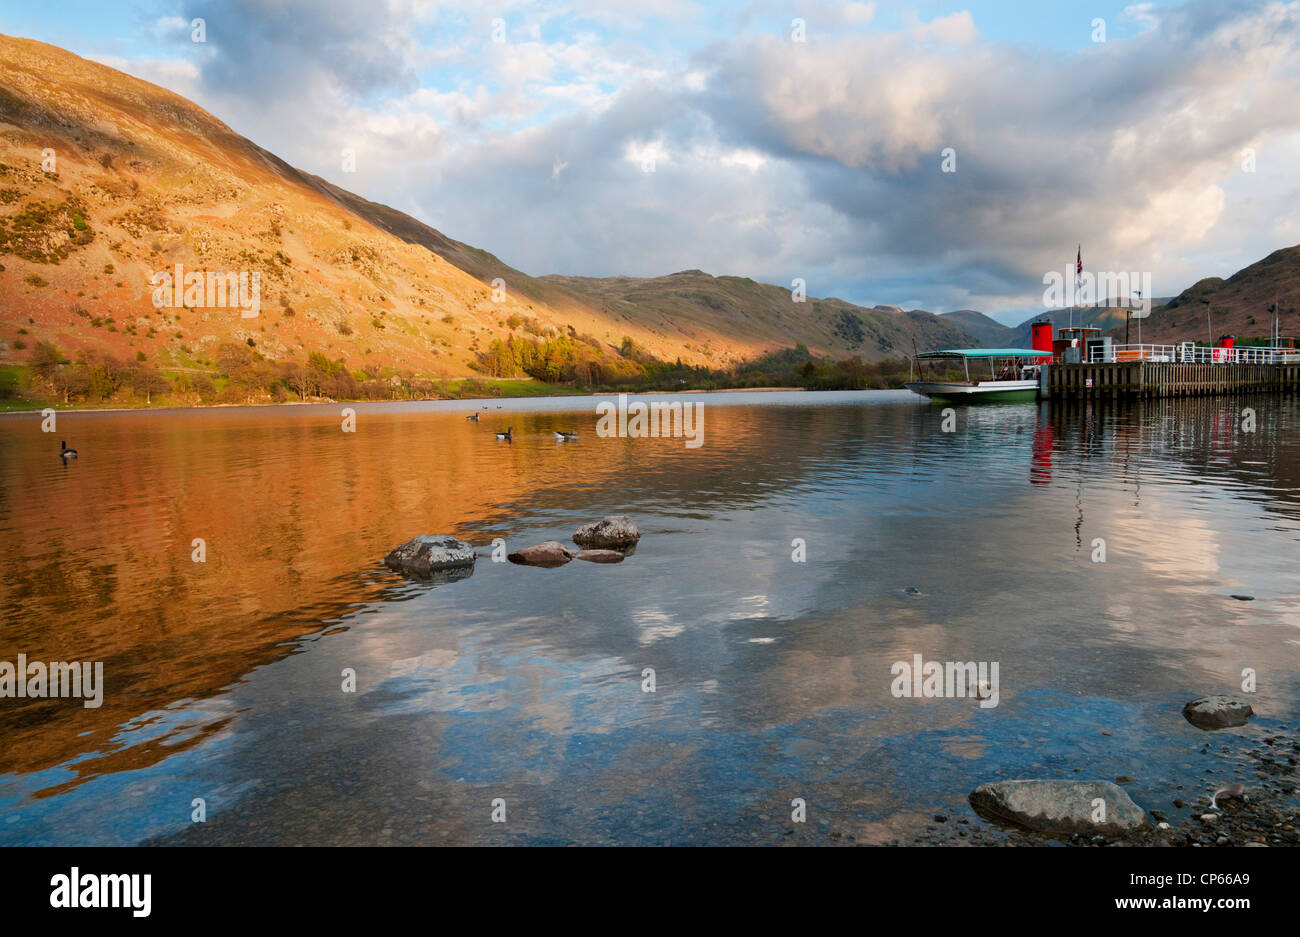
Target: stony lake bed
{"x":734,"y":669}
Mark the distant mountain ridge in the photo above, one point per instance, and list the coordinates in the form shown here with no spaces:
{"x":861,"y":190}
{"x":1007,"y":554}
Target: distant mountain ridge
{"x":691,"y":304}
{"x":991,"y":333}
{"x":984,"y":329}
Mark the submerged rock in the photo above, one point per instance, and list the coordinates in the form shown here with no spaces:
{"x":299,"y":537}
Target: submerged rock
{"x":601,"y":556}
{"x":1063,"y":807}
{"x":1217,"y":712}
{"x":549,"y":554}
{"x":614,"y":531}
{"x":430,"y":553}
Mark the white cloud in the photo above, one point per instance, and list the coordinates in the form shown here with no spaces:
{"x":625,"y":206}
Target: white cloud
{"x":954,"y":29}
{"x":179,"y":75}
{"x":859,"y":14}
{"x":1144,"y":14}
{"x":750,"y":159}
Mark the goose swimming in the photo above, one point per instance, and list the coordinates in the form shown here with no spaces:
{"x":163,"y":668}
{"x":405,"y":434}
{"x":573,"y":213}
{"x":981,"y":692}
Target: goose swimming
{"x":65,"y":451}
{"x":565,"y":437}
{"x":472,"y":416}
{"x":508,"y":435}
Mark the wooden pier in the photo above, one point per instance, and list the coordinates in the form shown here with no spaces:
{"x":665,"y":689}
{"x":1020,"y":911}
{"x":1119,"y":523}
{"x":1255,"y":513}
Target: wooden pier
{"x":1166,"y":379}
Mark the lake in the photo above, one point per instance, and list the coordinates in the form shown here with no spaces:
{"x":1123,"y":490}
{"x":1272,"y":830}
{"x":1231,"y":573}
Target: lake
{"x":812,"y":542}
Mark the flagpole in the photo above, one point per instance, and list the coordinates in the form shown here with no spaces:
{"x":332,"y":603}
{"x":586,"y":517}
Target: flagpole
{"x":1078,"y":281}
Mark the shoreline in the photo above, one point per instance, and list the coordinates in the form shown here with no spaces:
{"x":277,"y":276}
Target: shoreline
{"x":330,"y":402}
{"x":1268,"y":814}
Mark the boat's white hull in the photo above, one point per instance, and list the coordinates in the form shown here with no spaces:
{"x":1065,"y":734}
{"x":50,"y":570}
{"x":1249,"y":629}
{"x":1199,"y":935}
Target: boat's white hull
{"x":975,"y":392}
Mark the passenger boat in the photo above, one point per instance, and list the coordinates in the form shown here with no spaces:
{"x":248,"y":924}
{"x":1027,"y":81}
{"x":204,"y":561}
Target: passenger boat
{"x":1013,"y":375}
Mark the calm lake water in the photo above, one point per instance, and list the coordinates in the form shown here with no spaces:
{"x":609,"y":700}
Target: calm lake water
{"x":223,"y":679}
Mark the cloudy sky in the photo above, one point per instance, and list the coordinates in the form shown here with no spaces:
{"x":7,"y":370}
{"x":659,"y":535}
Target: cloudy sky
{"x":766,"y":139}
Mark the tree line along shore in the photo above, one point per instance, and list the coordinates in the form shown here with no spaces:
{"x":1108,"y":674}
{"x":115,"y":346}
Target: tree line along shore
{"x":520,"y":366}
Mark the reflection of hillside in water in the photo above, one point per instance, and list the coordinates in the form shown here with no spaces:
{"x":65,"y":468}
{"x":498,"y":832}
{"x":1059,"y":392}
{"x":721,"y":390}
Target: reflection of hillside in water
{"x":992,"y":522}
{"x":98,"y":554}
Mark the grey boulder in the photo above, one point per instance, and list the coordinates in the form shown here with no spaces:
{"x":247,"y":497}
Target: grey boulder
{"x":550,"y":554}
{"x":430,"y":553}
{"x":1217,"y":712}
{"x":1061,"y":807}
{"x":615,"y":532}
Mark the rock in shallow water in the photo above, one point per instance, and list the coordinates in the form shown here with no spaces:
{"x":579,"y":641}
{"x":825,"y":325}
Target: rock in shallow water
{"x":1217,"y":712}
{"x":1063,"y":807}
{"x":614,"y":531}
{"x":550,"y":554}
{"x":601,"y":556}
{"x":430,"y":553}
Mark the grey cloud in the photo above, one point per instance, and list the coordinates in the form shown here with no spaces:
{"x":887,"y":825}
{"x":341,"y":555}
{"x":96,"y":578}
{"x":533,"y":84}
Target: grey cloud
{"x":1049,"y":150}
{"x":351,"y":48}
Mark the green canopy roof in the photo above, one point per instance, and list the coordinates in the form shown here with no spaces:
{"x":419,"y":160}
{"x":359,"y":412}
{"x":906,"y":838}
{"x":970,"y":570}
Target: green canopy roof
{"x":986,"y":353}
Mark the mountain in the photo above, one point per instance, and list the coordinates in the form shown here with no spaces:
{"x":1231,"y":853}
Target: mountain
{"x":993,"y":334}
{"x":986,"y":331}
{"x":108,"y":182}
{"x":691,"y":306}
{"x":1098,"y":316}
{"x":1240,"y":305}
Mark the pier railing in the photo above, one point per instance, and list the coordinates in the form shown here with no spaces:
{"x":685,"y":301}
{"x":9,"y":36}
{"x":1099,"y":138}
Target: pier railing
{"x":1191,"y":353}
